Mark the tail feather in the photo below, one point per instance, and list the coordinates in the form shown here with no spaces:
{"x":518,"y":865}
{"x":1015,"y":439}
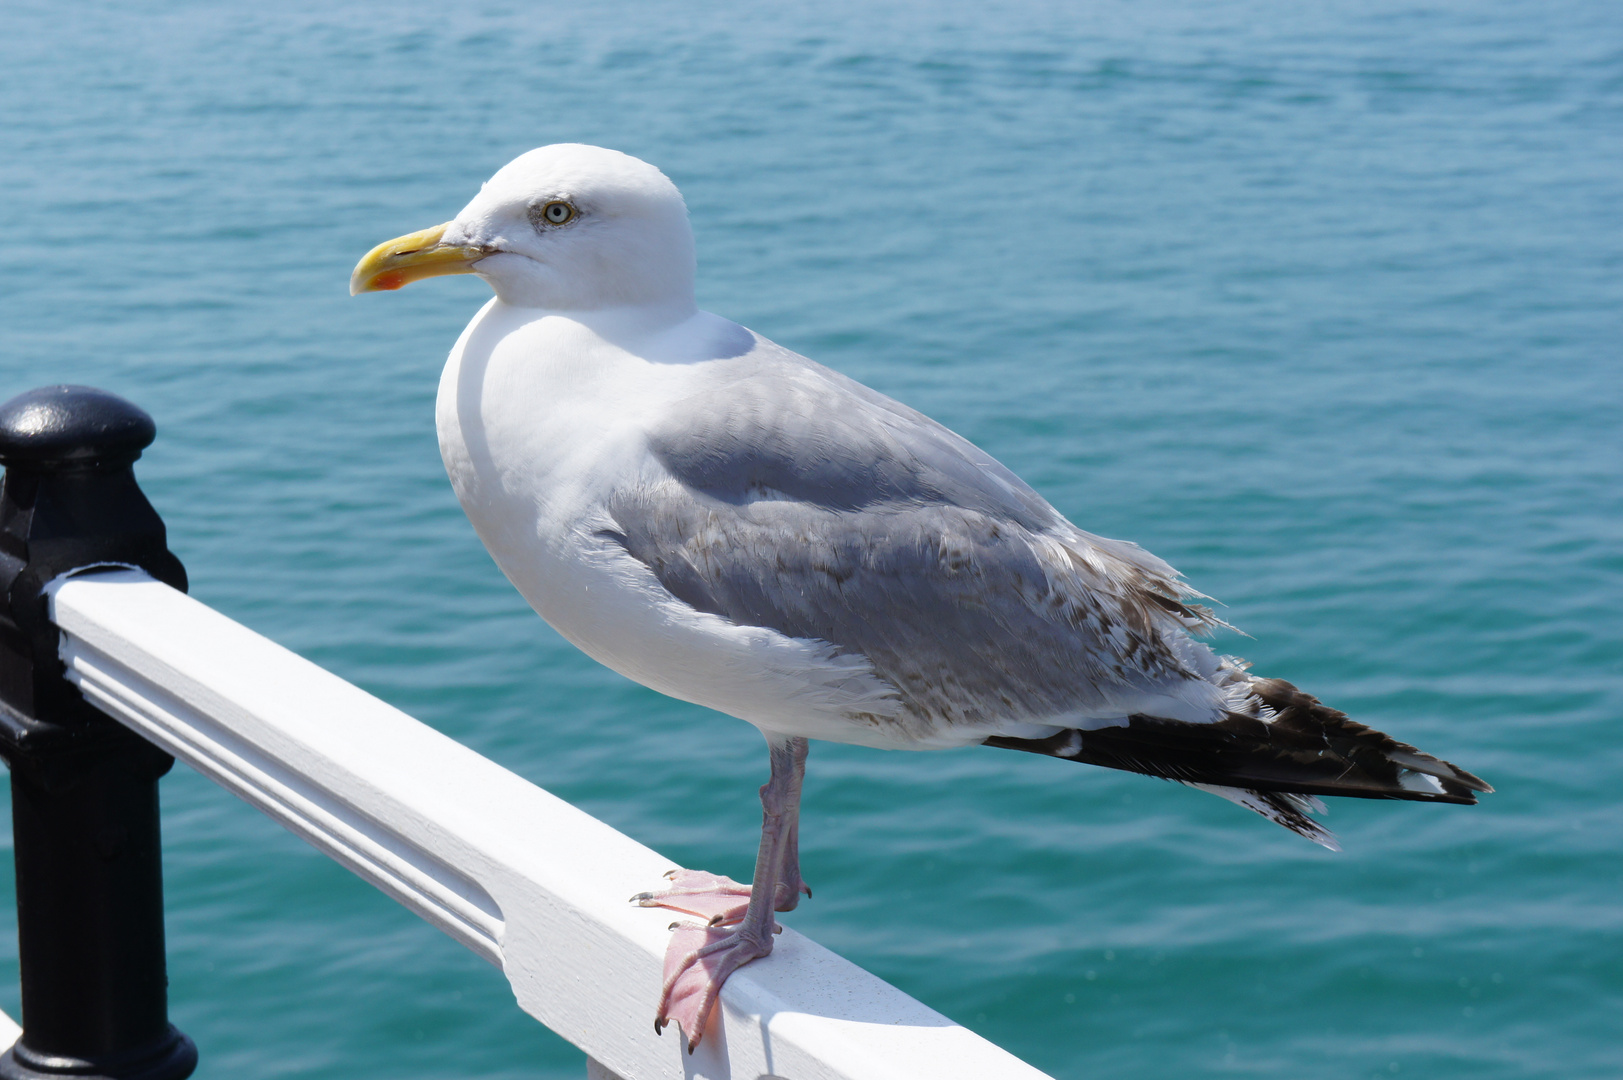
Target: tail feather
{"x":1281,"y":808}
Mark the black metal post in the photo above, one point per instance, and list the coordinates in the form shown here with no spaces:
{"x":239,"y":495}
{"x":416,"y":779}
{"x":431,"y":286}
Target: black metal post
{"x":84,"y":789}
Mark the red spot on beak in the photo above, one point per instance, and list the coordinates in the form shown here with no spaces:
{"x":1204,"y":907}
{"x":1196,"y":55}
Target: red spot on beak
{"x":389,"y":281}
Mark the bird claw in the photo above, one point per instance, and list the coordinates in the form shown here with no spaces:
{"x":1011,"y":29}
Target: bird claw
{"x":701,"y":955}
{"x":698,"y":961}
{"x":717,"y":900}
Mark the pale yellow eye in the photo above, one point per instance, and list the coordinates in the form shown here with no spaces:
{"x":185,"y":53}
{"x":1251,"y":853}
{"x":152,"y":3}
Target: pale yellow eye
{"x":556,"y":212}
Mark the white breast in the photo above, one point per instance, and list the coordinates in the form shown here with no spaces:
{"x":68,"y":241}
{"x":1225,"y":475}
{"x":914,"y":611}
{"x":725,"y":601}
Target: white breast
{"x":542,"y":420}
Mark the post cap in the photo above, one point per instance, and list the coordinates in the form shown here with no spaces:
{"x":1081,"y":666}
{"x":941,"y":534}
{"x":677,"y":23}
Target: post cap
{"x":57,"y":427}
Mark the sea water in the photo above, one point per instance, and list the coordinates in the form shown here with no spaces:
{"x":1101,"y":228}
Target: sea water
{"x":1319,"y":302}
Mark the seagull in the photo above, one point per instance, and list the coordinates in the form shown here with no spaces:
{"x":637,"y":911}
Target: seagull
{"x":732,"y":524}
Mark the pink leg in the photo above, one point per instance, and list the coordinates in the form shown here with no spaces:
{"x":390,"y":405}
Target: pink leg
{"x":700,"y":957}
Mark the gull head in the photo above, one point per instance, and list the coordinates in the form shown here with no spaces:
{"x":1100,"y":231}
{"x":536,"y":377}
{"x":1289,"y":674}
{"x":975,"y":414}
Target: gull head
{"x":566,"y":227}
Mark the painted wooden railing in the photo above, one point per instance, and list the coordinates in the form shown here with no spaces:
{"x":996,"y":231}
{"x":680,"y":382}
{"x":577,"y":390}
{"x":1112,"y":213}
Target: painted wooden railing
{"x":534,"y":885}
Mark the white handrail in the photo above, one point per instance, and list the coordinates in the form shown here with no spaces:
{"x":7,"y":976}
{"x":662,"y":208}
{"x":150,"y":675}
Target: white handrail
{"x":527,"y":881}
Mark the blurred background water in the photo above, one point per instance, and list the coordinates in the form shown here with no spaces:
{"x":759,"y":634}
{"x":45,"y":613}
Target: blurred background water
{"x":1319,"y":302}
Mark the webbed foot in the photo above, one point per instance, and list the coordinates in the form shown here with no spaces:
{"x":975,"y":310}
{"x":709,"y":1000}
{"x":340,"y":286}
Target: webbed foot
{"x":697,"y":962}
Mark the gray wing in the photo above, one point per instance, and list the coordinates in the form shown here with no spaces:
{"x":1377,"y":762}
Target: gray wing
{"x":801,"y":501}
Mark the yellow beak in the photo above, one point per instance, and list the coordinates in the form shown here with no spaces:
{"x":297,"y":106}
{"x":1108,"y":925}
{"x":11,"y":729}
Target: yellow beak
{"x":413,"y":257}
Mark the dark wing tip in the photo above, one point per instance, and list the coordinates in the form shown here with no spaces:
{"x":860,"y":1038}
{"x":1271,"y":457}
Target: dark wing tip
{"x":1469,"y":780}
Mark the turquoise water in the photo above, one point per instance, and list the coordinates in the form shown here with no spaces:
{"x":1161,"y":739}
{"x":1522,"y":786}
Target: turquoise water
{"x":1320,"y":302}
